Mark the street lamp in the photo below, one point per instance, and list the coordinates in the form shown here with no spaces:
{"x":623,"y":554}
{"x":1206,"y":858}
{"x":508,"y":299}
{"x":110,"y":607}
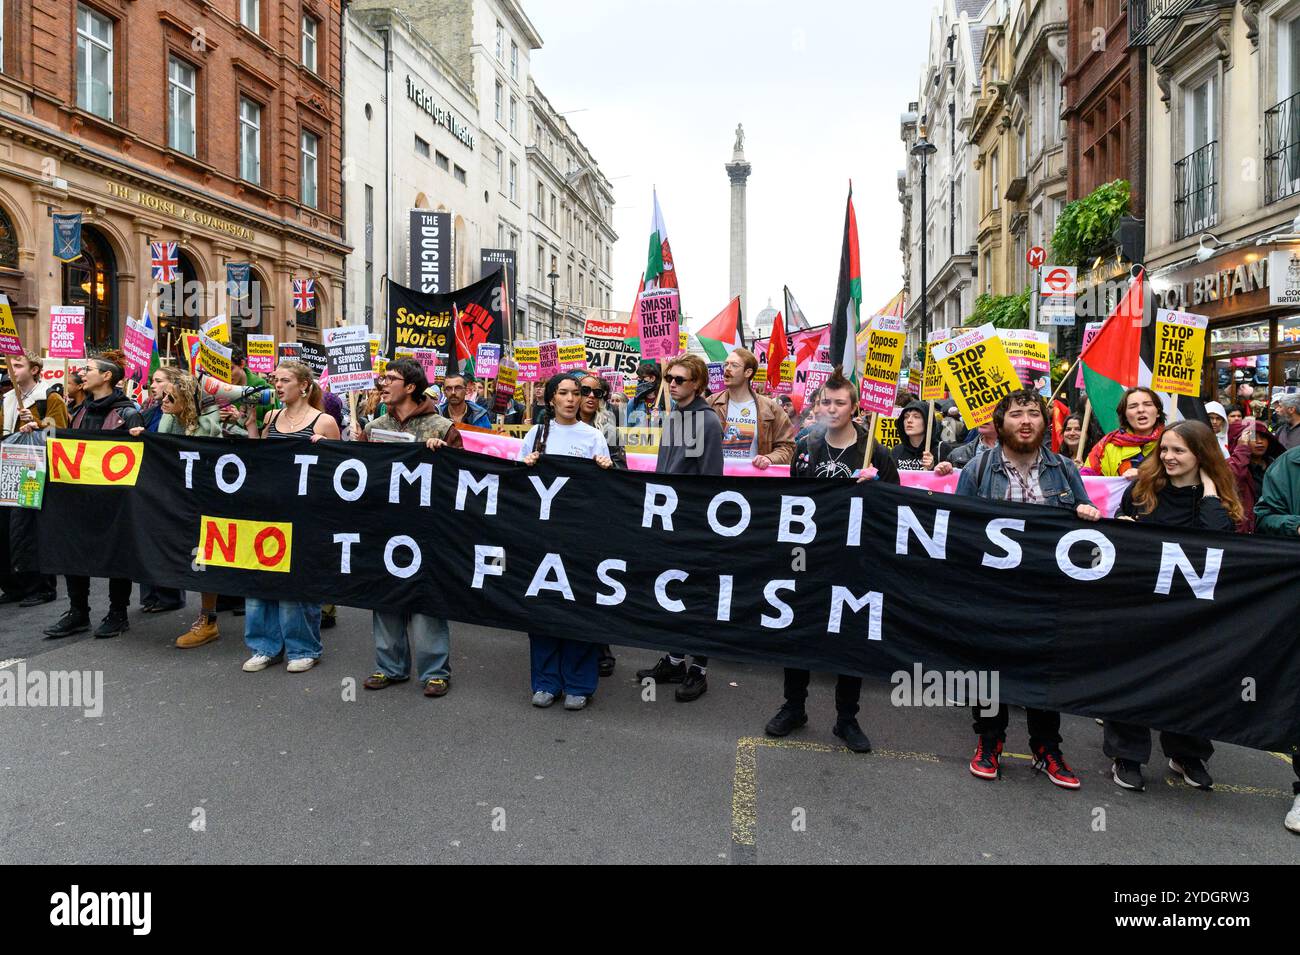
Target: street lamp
{"x":554,"y":276}
{"x":924,"y":149}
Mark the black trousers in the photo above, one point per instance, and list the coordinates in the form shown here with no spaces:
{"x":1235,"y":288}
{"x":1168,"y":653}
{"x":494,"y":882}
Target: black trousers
{"x":1044,"y":725}
{"x":848,"y":691}
{"x":119,"y":593}
{"x":1133,"y":742}
{"x":162,"y":595}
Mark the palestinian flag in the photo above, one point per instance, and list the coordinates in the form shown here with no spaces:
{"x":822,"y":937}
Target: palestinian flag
{"x":659,"y":271}
{"x":848,"y":300}
{"x":722,"y":333}
{"x":155,"y":362}
{"x":1122,"y":356}
{"x":794,"y":315}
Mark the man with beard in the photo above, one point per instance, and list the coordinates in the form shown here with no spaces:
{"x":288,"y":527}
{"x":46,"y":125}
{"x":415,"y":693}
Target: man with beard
{"x":755,"y":428}
{"x":1118,"y":454}
{"x":1021,"y":469}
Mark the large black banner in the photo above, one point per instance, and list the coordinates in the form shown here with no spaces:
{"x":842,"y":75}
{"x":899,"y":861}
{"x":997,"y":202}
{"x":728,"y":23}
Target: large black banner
{"x":427,"y":321}
{"x":1177,"y":630}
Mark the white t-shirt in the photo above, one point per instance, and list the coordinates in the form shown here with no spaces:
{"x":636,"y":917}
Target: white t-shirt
{"x":579,"y":440}
{"x":740,"y":436}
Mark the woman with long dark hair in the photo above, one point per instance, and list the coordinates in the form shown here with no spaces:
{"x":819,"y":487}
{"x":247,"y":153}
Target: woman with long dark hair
{"x":1185,"y":484}
{"x":560,"y":665}
{"x":594,"y":411}
{"x":1071,"y":436}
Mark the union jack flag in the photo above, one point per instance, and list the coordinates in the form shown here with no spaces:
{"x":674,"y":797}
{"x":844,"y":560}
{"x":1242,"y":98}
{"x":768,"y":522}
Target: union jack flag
{"x":166,"y":263}
{"x":304,"y":295}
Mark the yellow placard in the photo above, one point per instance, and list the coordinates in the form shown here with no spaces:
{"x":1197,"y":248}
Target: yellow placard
{"x":681,"y":341}
{"x":572,"y":353}
{"x":1180,"y":352}
{"x":216,"y":328}
{"x":887,"y":429}
{"x":507,"y":375}
{"x":380,"y":365}
{"x":886,"y":339}
{"x":106,"y":463}
{"x":214,"y":358}
{"x":629,"y":388}
{"x":977,"y":372}
{"x":247,"y":545}
{"x":8,"y":328}
{"x":932,"y":388}
{"x":374,"y":349}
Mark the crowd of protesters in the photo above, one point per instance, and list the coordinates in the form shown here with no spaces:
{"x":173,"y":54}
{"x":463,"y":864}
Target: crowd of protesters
{"x":1235,"y":475}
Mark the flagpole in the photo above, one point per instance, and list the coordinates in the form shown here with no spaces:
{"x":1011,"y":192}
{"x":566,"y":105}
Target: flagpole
{"x":929,"y":429}
{"x":1083,"y":432}
{"x":1064,"y":380}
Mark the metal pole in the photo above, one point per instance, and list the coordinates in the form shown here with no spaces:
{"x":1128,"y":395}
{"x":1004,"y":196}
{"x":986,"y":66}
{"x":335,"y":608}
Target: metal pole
{"x":925,"y":298}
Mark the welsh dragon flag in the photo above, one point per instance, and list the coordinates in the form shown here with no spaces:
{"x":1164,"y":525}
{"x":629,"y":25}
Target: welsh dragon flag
{"x":659,"y":271}
{"x":722,"y":333}
{"x":848,"y":299}
{"x":1122,"y":356}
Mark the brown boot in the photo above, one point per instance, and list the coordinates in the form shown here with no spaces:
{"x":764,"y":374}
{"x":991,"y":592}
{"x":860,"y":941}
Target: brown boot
{"x":203,"y":631}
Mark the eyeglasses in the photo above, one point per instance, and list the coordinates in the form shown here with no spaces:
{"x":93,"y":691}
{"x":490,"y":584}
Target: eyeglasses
{"x":167,"y":397}
{"x":677,"y":379}
{"x":588,"y":391}
{"x":394,"y":378}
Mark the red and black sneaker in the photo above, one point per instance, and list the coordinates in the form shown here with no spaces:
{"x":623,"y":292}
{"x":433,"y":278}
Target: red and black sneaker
{"x":1048,"y":759}
{"x":984,"y":763}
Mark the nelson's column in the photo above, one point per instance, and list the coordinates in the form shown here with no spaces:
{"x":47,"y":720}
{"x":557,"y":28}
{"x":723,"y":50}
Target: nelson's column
{"x":738,"y":172}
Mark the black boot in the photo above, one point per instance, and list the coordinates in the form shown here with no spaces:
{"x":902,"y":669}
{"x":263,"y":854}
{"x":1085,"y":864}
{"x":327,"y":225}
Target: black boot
{"x":114,"y":624}
{"x":849,"y":731}
{"x":606,"y":664}
{"x":74,"y":621}
{"x":788,"y":718}
{"x":693,"y":687}
{"x":665,"y":671}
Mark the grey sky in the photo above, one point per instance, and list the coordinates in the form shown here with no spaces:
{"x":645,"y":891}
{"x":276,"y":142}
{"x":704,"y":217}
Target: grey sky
{"x":818,"y":85}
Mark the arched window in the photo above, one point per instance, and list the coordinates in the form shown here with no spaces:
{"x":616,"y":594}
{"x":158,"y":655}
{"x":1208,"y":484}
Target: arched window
{"x":251,"y":316}
{"x":182,"y":304}
{"x":8,"y":242}
{"x":91,"y":281}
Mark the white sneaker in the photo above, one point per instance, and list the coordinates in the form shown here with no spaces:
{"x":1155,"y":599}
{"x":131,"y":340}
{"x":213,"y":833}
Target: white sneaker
{"x":259,"y":661}
{"x":301,"y":665}
{"x":573,"y":702}
{"x":1293,"y":817}
{"x":543,"y":699}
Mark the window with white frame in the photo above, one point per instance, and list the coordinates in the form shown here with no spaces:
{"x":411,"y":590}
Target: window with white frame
{"x":250,"y":140}
{"x":498,"y":102}
{"x":181,"y":106}
{"x":514,"y":117}
{"x":250,"y":14}
{"x":514,"y":61}
{"x":513,"y":192}
{"x":1200,"y":122}
{"x":541,"y":200}
{"x":309,"y":149}
{"x":501,"y":170}
{"x":309,"y":29}
{"x":995,"y":183}
{"x":541,"y":255}
{"x":94,"y":62}
{"x":501,"y":42}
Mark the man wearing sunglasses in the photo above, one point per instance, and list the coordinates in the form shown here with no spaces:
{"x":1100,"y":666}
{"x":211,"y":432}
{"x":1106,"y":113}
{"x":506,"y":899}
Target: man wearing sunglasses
{"x":410,"y":412}
{"x":754,"y":427}
{"x":691,"y":443}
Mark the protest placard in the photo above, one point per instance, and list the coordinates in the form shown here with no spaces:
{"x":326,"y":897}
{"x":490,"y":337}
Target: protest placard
{"x":784,"y":385}
{"x":932,"y":388}
{"x":260,"y":354}
{"x":214,"y":358}
{"x":881,"y":364}
{"x":348,"y":356}
{"x":374,"y":348}
{"x":614,"y":379}
{"x":507,"y":376}
{"x":1090,"y":331}
{"x":428,"y":359}
{"x":526,"y":357}
{"x":9,"y":343}
{"x":1029,"y":352}
{"x":717,"y":380}
{"x":887,"y":428}
{"x":22,"y":471}
{"x":977,"y":372}
{"x":1180,"y":350}
{"x":607,"y":344}
{"x":315,"y":357}
{"x":486,"y":360}
{"x":659,"y":312}
{"x":67,"y":331}
{"x":548,"y":359}
{"x":217,"y":328}
{"x":571,"y":353}
{"x":819,"y":372}
{"x":288,"y":351}
{"x":137,"y":346}
{"x":190,"y":350}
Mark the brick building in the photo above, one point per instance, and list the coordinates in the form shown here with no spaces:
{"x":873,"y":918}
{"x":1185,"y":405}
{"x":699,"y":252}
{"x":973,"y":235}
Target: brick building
{"x":213,"y":124}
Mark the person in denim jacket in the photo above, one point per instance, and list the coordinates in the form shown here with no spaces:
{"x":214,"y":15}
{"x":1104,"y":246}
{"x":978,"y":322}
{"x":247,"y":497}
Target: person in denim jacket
{"x":1023,"y":469}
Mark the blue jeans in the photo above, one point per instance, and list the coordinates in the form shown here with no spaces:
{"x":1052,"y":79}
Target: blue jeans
{"x":564,"y":666}
{"x":272,"y":627}
{"x":430,"y":639}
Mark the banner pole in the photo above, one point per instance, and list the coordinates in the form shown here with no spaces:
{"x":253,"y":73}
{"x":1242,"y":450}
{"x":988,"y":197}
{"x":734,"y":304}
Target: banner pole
{"x":1064,"y":380}
{"x":352,"y":410}
{"x":929,"y":430}
{"x":871,"y":441}
{"x":1083,"y":432}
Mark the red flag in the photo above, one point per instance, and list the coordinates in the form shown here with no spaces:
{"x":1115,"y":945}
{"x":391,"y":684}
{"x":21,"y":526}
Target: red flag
{"x":778,"y":350}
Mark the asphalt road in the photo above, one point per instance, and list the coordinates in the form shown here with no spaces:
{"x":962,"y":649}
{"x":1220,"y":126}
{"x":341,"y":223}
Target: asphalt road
{"x":193,"y":760}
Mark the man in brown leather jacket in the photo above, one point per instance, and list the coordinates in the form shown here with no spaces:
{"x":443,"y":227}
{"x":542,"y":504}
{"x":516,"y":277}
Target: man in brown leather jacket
{"x":754,"y":426}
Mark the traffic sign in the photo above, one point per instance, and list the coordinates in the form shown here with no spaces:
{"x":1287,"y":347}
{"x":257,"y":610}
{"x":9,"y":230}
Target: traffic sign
{"x":1058,"y":280}
{"x":1036,"y":257}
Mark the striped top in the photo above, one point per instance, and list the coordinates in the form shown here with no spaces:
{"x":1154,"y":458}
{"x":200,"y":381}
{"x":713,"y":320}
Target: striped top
{"x":304,"y":432}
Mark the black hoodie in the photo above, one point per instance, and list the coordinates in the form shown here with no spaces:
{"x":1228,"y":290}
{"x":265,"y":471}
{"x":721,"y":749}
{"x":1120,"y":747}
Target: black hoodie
{"x":906,"y":457}
{"x":93,"y":413}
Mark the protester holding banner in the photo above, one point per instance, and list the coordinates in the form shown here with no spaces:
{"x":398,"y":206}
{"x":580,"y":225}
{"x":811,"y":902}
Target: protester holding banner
{"x":106,"y":408}
{"x":458,"y":408}
{"x":1254,"y":449}
{"x":558,"y":664}
{"x":836,"y":452}
{"x":1120,"y":453}
{"x":754,"y":427}
{"x":31,"y":405}
{"x":410,"y":412}
{"x":276,"y":629}
{"x":1186,"y":484}
{"x":691,"y":443}
{"x":1024,"y":470}
{"x":911,"y":453}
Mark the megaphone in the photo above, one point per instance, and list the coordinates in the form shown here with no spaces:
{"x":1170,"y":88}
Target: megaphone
{"x":234,"y":394}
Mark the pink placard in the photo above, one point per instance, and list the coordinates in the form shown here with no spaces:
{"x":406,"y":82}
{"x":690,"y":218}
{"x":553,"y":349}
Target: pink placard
{"x":1090,"y":332}
{"x":67,"y":331}
{"x":548,"y":359}
{"x":659,"y":313}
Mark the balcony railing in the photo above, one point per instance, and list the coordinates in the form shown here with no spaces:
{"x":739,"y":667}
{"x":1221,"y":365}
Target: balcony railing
{"x":1196,"y":191}
{"x":1147,"y":19}
{"x":1282,"y":149}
